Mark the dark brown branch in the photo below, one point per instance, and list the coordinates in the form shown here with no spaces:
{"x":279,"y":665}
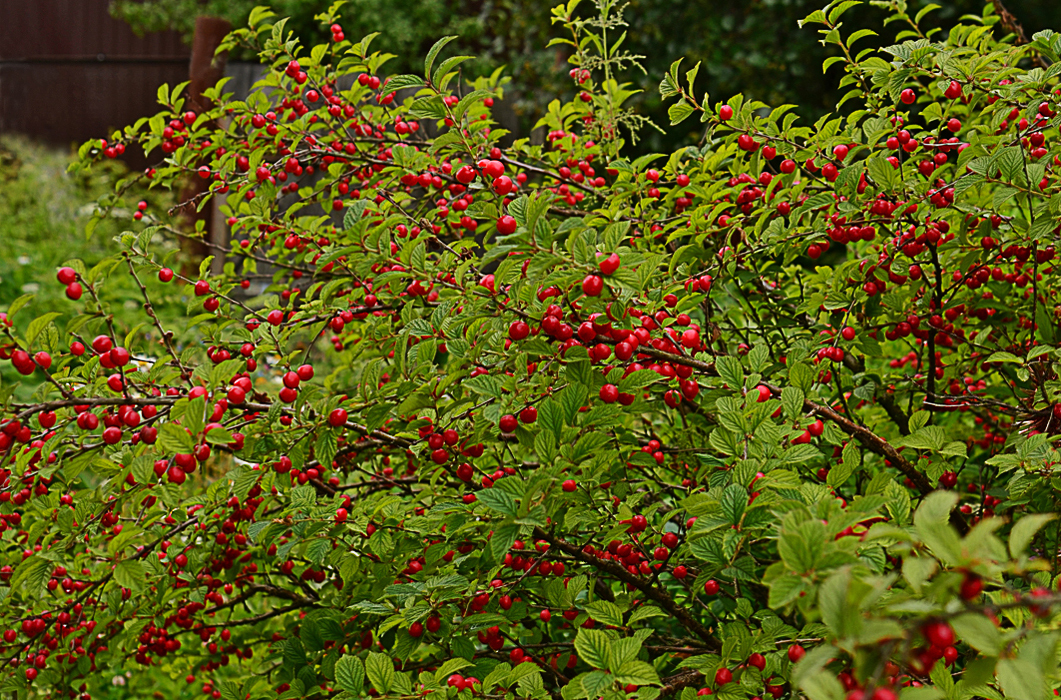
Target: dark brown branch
{"x":657,"y":595}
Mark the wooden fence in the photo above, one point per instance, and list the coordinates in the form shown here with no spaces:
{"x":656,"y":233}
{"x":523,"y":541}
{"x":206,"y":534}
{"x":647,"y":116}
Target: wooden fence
{"x":69,"y":72}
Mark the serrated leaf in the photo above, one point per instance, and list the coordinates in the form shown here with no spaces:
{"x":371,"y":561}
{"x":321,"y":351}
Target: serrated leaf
{"x":679,"y":112}
{"x":429,"y":61}
{"x":592,"y":647}
{"x":1024,"y":531}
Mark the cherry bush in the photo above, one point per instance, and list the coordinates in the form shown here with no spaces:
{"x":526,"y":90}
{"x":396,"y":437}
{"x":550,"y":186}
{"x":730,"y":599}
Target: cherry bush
{"x":773,"y":415}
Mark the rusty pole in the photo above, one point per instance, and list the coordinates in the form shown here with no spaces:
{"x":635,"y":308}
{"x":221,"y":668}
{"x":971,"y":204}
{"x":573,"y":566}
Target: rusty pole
{"x":205,"y":69}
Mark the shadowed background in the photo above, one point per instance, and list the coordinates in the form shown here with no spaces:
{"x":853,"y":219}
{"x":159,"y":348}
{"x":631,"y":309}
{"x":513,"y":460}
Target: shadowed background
{"x":71,"y":70}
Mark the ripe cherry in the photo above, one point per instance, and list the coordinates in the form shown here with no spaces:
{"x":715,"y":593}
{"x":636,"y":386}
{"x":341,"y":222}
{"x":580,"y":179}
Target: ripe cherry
{"x":507,"y":423}
{"x":165,"y":275}
{"x":796,"y":652}
{"x":592,"y":285}
{"x":518,"y":330}
{"x":609,"y":393}
{"x":609,"y":264}
{"x":711,"y":587}
{"x":569,"y":486}
{"x":939,"y":634}
{"x":972,"y":586}
{"x":102,"y":344}
{"x":725,"y":112}
{"x":723,"y":676}
{"x":43,"y":359}
{"x":337,"y":417}
{"x":506,"y":225}
{"x":66,"y":275}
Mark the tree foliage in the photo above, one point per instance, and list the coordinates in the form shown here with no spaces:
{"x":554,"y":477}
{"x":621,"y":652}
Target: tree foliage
{"x":771,"y":414}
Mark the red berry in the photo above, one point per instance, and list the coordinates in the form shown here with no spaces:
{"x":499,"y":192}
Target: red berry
{"x":592,"y":285}
{"x":570,"y":486}
{"x":972,"y":586}
{"x":609,"y":264}
{"x":337,"y":417}
{"x":518,"y":330}
{"x":236,"y":395}
{"x":711,"y":587}
{"x":939,"y":634}
{"x":506,"y":225}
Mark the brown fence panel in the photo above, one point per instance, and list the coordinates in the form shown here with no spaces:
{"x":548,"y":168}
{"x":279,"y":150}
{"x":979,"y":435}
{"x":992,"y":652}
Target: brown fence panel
{"x":69,"y":72}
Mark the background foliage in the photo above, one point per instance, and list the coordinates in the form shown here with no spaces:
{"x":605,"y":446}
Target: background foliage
{"x":753,"y":48}
{"x":771,"y":414}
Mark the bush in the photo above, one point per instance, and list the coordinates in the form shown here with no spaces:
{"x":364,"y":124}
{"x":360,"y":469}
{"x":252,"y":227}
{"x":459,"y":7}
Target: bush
{"x":43,"y":212}
{"x":771,"y":415}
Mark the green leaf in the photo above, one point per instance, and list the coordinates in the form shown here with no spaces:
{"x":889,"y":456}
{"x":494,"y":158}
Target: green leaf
{"x":433,"y":53}
{"x":448,"y":65}
{"x":932,"y":521}
{"x":400,"y":82}
{"x":502,"y":540}
{"x":606,"y":611}
{"x":637,"y":673}
{"x":679,"y":112}
{"x":792,"y":401}
{"x":175,"y":439}
{"x":669,"y":86}
{"x":1022,"y":680}
{"x":18,"y":303}
{"x":130,"y":573}
{"x":31,"y":575}
{"x":451,"y":666}
{"x":731,"y":371}
{"x":977,"y":631}
{"x":733,"y":502}
{"x":499,"y":500}
{"x":380,"y":671}
{"x":1024,"y":530}
{"x":592,"y":647}
{"x":350,"y":674}
{"x":38,"y":324}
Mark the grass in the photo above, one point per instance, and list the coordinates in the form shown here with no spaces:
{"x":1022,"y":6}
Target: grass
{"x":43,"y":215}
